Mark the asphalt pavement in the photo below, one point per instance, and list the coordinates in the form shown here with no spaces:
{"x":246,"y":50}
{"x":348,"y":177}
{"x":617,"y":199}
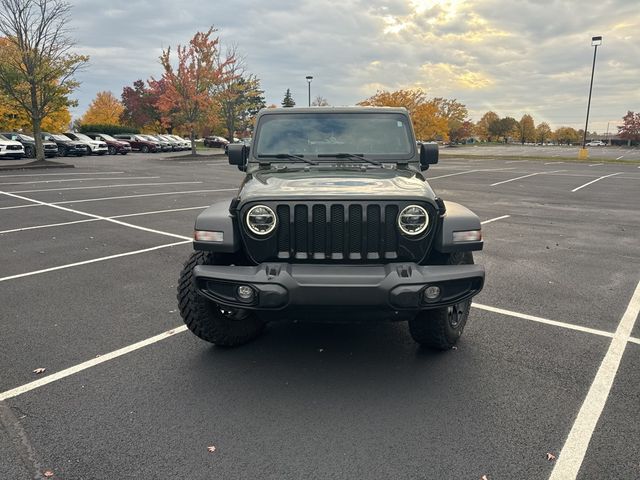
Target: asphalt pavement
{"x":546,"y":369}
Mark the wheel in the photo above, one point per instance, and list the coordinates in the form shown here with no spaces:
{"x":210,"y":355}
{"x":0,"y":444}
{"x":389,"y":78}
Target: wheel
{"x":144,"y":149}
{"x":112,"y":150}
{"x":221,"y":326}
{"x":63,"y":152}
{"x":29,"y":152}
{"x":441,"y":328}
{"x":123,"y":153}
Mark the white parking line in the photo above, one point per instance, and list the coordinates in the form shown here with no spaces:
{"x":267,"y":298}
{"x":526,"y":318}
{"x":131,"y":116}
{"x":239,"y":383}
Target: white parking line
{"x":596,"y":164}
{"x":76,"y":180}
{"x":575,"y":447}
{"x":89,"y":363}
{"x":99,"y":199}
{"x":546,"y":321}
{"x":524,"y":176}
{"x":86,"y":220}
{"x":554,"y":163}
{"x":93,"y":187}
{"x":619,"y":157}
{"x":99,"y":217}
{"x":486,"y":221}
{"x":93,"y":260}
{"x":594,"y":181}
{"x":472,"y":171}
{"x":58,"y":174}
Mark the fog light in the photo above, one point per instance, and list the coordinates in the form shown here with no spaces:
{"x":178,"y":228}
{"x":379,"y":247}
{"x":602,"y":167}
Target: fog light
{"x":245,"y":292}
{"x":431,"y":293}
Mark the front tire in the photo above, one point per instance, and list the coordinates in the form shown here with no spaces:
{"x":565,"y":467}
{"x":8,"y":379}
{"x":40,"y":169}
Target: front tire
{"x":441,"y":328}
{"x":144,"y":149}
{"x":222,"y":326}
{"x":112,"y":150}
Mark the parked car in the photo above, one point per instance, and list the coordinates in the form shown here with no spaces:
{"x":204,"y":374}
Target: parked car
{"x":66,"y":146}
{"x":29,"y":144}
{"x":185,"y":144}
{"x":10,"y":148}
{"x":114,"y":146}
{"x":175,"y":145}
{"x":139,"y":143}
{"x":595,"y":143}
{"x":215,"y":142}
{"x":94,"y":146}
{"x":164,"y":145}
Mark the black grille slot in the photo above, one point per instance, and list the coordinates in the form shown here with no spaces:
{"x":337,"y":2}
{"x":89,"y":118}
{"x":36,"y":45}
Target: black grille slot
{"x":390,"y":231}
{"x":337,"y":230}
{"x":319,"y":231}
{"x":373,"y":228}
{"x":301,"y":228}
{"x":355,"y":231}
{"x":284,"y":235}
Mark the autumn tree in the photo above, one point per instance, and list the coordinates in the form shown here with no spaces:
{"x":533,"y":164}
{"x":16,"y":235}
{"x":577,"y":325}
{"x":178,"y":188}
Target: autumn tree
{"x":38,"y":67}
{"x":188,"y":87}
{"x":527,"y":129}
{"x":320,"y":102}
{"x":630,"y":128}
{"x":566,"y":135}
{"x":543,"y":132}
{"x":482,"y":127}
{"x":105,"y":109}
{"x":428,"y":121}
{"x":12,"y":117}
{"x":139,"y":105}
{"x":461,"y":131}
{"x":504,"y":128}
{"x":455,"y":112}
{"x":288,"y":100}
{"x":238,"y":94}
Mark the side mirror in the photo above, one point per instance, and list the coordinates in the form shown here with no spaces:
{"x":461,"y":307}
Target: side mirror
{"x":238,"y":154}
{"x":428,"y":155}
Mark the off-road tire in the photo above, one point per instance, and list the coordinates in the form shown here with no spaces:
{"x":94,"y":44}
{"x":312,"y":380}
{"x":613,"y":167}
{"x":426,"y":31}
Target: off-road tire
{"x":441,"y":328}
{"x":204,"y":317}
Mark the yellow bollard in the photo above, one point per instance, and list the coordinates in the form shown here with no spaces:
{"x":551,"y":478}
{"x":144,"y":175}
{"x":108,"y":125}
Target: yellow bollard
{"x":583,"y":154}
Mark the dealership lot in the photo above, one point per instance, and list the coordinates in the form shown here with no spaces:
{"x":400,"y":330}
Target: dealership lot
{"x":551,"y":151}
{"x":90,"y":260}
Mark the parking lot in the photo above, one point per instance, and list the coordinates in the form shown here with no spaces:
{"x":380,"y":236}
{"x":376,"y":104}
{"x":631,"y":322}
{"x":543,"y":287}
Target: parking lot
{"x":554,"y":153}
{"x":550,"y":357}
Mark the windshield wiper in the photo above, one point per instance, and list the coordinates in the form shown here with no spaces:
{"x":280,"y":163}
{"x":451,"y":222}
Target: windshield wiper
{"x":289,"y":156}
{"x":359,"y":156}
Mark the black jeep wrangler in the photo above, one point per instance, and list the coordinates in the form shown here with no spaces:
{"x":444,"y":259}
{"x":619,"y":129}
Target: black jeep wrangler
{"x":334,"y":220}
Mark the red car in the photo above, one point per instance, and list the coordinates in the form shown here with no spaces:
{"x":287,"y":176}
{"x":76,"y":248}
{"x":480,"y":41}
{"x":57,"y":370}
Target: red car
{"x":114,"y":145}
{"x":139,"y":143}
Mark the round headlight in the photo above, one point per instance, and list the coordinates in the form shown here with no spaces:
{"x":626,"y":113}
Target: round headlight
{"x":413,"y":220}
{"x":261,"y":220}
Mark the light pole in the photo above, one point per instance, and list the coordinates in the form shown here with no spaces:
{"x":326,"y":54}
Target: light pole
{"x":595,"y":41}
{"x":309,"y":78}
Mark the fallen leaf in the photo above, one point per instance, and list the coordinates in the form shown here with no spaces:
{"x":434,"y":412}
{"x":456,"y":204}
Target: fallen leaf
{"x":551,"y":457}
{"x":211,"y":448}
{"x":40,"y":370}
{"x":48,"y":473}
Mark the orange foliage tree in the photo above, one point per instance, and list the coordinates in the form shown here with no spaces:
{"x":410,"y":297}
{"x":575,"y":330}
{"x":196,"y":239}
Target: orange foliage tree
{"x":188,"y":93}
{"x":105,"y":109}
{"x":428,"y":121}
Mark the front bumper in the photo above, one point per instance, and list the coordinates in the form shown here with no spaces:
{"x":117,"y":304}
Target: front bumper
{"x":395,"y":286}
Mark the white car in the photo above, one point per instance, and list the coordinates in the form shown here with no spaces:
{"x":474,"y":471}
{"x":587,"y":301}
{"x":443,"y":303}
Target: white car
{"x":10,"y":148}
{"x":595,"y":143}
{"x":97,"y":147}
{"x":186,"y":144}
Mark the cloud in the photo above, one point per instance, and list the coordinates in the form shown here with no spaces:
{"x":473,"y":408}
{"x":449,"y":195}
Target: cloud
{"x":513,"y":57}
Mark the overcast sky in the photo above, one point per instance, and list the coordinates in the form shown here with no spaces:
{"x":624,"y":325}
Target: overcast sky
{"x":512,"y":57}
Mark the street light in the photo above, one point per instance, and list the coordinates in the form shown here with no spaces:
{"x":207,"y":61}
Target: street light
{"x":309,"y":78}
{"x":595,"y":42}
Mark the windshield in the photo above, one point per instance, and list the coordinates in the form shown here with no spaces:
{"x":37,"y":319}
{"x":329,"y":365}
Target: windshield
{"x":2,"y":137}
{"x":106,"y":137}
{"x":26,"y":137}
{"x":372,"y":134}
{"x":82,"y":136}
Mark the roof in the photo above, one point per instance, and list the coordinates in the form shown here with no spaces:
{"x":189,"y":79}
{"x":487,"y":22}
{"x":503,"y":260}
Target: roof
{"x":279,"y":110}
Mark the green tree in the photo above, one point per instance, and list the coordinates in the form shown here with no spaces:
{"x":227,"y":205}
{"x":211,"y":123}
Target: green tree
{"x":504,"y":128}
{"x":288,"y":100}
{"x":482,"y":127}
{"x":543,"y":132}
{"x":527,"y":129}
{"x":37,"y":66}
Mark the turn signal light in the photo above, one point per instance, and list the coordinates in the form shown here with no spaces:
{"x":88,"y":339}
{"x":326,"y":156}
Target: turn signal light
{"x":206,"y":236}
{"x":467,"y":236}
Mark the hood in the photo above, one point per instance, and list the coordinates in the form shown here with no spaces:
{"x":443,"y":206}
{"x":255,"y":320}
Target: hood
{"x":9,"y":142}
{"x":343,"y":183}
